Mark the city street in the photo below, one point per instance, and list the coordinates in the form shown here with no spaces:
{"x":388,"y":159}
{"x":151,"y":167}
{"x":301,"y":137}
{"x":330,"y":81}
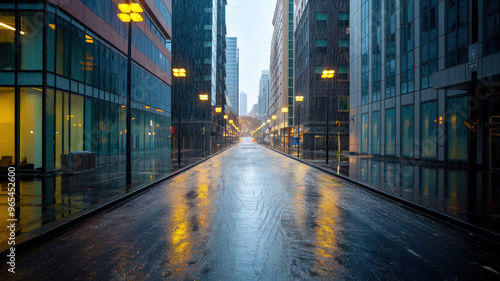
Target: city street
{"x":252,"y":214}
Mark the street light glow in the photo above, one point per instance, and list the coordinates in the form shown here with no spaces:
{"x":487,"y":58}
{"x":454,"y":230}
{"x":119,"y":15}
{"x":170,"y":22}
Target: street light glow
{"x":274,"y":117}
{"x":179,"y":72}
{"x":328,"y":74}
{"x":203,"y":97}
{"x":299,"y":98}
{"x":268,"y":121}
{"x":218,"y":109}
{"x":225,"y":116}
{"x":231,"y":121}
{"x":284,"y":109}
{"x":124,"y":17}
{"x":130,"y":12}
{"x":136,"y":17}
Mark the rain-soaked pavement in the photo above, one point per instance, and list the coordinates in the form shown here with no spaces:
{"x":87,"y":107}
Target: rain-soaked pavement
{"x":252,"y":214}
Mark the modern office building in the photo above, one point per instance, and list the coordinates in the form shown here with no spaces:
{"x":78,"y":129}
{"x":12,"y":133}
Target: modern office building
{"x":63,"y":85}
{"x":243,"y":103}
{"x":281,"y":66}
{"x":322,"y":43}
{"x":413,"y":68}
{"x":232,"y":73}
{"x":199,"y":46}
{"x":263,"y":102}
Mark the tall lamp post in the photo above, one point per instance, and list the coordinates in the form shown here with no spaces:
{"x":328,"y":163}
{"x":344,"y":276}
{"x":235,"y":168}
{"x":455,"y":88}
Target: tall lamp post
{"x":284,"y":110}
{"x":179,"y":73}
{"x":298,"y":100}
{"x":225,"y":133}
{"x":204,"y":97}
{"x":218,"y":110}
{"x":327,"y":74}
{"x":274,"y":117}
{"x":129,"y":13}
{"x":268,"y":130}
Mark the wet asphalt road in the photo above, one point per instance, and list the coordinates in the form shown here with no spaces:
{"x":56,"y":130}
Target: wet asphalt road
{"x":252,"y":214}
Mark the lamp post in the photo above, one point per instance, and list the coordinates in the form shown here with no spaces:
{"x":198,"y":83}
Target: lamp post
{"x":274,"y":117}
{"x":225,"y":134}
{"x":284,"y":110}
{"x":327,"y":74}
{"x":129,"y":13}
{"x":268,"y":130}
{"x":298,"y":99}
{"x":179,"y":73}
{"x":203,"y":97}
{"x":218,"y":110}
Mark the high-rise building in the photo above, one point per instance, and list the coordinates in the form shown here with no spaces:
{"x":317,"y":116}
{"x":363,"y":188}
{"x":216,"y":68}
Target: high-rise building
{"x":64,"y":87}
{"x":263,"y":102}
{"x":322,"y":43}
{"x":232,"y":73}
{"x":243,"y":104}
{"x":199,"y":46}
{"x":413,"y":66}
{"x":281,"y":66}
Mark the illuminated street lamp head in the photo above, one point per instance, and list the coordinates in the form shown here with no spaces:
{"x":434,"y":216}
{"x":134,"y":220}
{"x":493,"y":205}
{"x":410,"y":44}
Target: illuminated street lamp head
{"x":130,"y":12}
{"x":284,"y":109}
{"x":299,"y":98}
{"x":179,"y":72}
{"x":231,"y":121}
{"x":225,"y":116}
{"x":218,"y":109}
{"x":268,"y":121}
{"x":274,"y":117}
{"x":328,"y":74}
{"x":203,"y":97}
{"x":263,"y":124}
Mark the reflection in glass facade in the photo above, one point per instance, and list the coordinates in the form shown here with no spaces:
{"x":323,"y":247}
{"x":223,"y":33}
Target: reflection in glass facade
{"x":390,"y":131}
{"x":407,"y":129}
{"x":364,"y":134}
{"x":428,"y":129}
{"x":376,"y":133}
{"x":457,"y":132}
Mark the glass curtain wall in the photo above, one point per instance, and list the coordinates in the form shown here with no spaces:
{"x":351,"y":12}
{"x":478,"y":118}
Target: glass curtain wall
{"x":7,"y":126}
{"x":390,"y":132}
{"x":457,"y":132}
{"x":364,"y":133}
{"x":407,"y":127}
{"x":376,"y":133}
{"x":428,"y":127}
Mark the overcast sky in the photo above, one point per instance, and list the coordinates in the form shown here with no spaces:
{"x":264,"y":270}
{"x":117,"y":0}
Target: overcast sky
{"x":251,"y":22}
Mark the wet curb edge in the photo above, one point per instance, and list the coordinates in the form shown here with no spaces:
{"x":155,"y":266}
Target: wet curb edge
{"x":29,"y":240}
{"x":448,"y":220}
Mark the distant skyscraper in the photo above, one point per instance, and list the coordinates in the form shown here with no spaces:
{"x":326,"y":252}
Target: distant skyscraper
{"x":281,"y":65}
{"x":232,"y":73}
{"x":263,"y":102}
{"x":243,"y":103}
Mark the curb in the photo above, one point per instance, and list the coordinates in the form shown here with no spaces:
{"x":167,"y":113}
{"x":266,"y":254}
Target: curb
{"x":36,"y":237}
{"x":446,"y":219}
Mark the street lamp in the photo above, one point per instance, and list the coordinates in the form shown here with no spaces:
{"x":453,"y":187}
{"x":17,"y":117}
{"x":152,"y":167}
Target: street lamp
{"x":204,"y":97}
{"x":299,"y":100}
{"x":268,"y":129}
{"x":225,"y":134}
{"x":217,"y":110}
{"x":284,"y":110}
{"x":327,"y":74}
{"x":179,"y":73}
{"x":129,"y":13}
{"x":274,"y":117}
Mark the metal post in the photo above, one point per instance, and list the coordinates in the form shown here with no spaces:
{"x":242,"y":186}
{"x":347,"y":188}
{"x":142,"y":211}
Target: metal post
{"x":327,"y":121}
{"x":284,"y":132}
{"x":129,"y":105}
{"x":298,"y":130}
{"x":338,"y":134}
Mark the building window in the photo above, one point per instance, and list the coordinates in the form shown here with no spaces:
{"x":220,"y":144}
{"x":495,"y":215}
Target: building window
{"x":364,"y":133}
{"x":7,"y":124}
{"x":376,"y":133}
{"x":365,"y":27}
{"x":390,"y":131}
{"x":343,"y":73}
{"x":318,"y":70}
{"x":31,"y":41}
{"x":428,"y":126}
{"x":407,"y":46}
{"x":343,"y":45}
{"x":492,"y":24}
{"x":30,"y":132}
{"x":63,"y":35}
{"x":407,"y":131}
{"x":429,"y":43}
{"x":320,"y":19}
{"x":457,"y":32}
{"x":457,"y":132}
{"x":376,"y":49}
{"x":344,"y":104}
{"x":344,"y":19}
{"x":7,"y":59}
{"x":321,"y":43}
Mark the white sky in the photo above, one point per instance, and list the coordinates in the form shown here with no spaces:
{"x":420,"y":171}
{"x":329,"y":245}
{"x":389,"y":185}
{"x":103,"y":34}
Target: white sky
{"x":251,"y":22}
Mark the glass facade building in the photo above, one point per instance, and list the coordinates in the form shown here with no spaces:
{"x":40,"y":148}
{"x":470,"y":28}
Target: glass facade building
{"x":63,"y":87}
{"x":416,"y":53}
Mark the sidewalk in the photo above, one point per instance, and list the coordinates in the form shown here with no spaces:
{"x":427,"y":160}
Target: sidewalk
{"x":441,"y":189}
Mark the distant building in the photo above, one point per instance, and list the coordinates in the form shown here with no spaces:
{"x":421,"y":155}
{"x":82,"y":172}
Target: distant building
{"x":243,"y":104}
{"x":281,"y":66}
{"x":263,"y":102}
{"x":411,"y":76}
{"x":199,"y":46}
{"x":232,"y":73}
{"x":322,"y":43}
